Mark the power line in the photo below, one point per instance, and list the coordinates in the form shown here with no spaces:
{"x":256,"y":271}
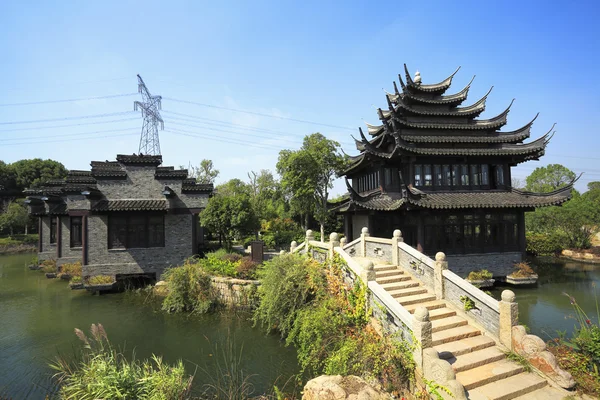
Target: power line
{"x":74,"y":83}
{"x":67,"y":134}
{"x":68,"y":125}
{"x":204,"y":135}
{"x":259,"y":114}
{"x":72,"y":140}
{"x":68,"y":100}
{"x":67,"y":118}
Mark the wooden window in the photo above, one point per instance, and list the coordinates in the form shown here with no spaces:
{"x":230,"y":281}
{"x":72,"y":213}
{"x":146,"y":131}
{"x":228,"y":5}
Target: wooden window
{"x":53,"y":229}
{"x":418,"y":176}
{"x":499,"y":175}
{"x":475,"y":175}
{"x":485,"y":179}
{"x":464,"y":176}
{"x":455,"y":174}
{"x":437,"y":175}
{"x":136,"y":231}
{"x":428,"y":178}
{"x":117,"y":232}
{"x":446,"y":175}
{"x":76,"y":231}
{"x":156,"y":231}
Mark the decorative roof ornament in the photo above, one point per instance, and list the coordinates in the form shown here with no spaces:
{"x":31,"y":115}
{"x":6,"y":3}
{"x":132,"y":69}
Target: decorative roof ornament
{"x":417,"y":78}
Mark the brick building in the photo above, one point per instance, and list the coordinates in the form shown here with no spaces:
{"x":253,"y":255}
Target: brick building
{"x":129,"y":216}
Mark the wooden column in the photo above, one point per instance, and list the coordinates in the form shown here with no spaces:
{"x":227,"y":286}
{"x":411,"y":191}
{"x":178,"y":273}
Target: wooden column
{"x":521,"y":228}
{"x":84,"y":240}
{"x":40,"y":230}
{"x":58,"y":237}
{"x":420,"y":234}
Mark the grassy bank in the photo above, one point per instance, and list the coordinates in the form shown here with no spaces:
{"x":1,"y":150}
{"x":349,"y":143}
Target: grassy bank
{"x":18,"y":244}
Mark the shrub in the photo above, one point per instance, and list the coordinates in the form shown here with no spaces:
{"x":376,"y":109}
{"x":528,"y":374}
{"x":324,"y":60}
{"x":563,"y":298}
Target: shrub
{"x":49,"y":263}
{"x":544,"y":244}
{"x":73,"y":269}
{"x":190,"y":289}
{"x":523,"y":270}
{"x":103,"y":373}
{"x":49,"y":269}
{"x":246,"y":268}
{"x":288,"y":283}
{"x":100,"y":280}
{"x":217,"y":263}
{"x":76,"y":279}
{"x":480,"y":275}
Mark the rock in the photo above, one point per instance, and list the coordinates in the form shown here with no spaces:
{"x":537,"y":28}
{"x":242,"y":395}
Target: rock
{"x":161,"y":288}
{"x":327,"y":387}
{"x":567,"y":253}
{"x":589,"y":256}
{"x":50,"y":275}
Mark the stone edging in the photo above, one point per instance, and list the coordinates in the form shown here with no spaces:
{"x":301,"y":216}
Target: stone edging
{"x":472,"y":290}
{"x":580,"y":256}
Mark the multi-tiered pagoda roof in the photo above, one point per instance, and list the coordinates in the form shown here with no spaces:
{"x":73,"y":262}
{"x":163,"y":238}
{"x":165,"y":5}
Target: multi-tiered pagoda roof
{"x":420,"y":121}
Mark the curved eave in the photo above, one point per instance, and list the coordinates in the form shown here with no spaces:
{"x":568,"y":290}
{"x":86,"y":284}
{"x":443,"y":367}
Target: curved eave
{"x":440,"y":87}
{"x":456,"y":98}
{"x":374,"y":129}
{"x":472,"y":110}
{"x":376,"y":200}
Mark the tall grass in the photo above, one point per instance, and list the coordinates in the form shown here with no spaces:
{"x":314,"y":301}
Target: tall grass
{"x":102,"y":372}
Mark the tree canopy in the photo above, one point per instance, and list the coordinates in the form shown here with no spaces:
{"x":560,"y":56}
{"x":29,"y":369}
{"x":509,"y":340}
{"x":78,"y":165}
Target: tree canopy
{"x":23,"y":174}
{"x":549,"y":178}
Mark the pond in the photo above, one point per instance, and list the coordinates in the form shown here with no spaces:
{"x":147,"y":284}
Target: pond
{"x":38,"y":315}
{"x":545,"y":309}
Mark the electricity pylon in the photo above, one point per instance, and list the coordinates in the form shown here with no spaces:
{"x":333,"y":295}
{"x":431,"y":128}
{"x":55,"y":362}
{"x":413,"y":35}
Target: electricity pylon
{"x":150,"y":106}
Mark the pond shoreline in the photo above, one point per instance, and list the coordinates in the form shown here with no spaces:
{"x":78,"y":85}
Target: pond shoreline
{"x":17,"y":249}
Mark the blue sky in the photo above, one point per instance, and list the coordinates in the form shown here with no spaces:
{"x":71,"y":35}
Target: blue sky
{"x":320,"y":61}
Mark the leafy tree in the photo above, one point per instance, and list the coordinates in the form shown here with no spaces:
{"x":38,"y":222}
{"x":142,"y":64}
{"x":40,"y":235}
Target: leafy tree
{"x":307,"y":175}
{"x":229,"y":213}
{"x":593,"y":185}
{"x":7,"y":176}
{"x":267,"y":196}
{"x":206,"y":172}
{"x":15,"y":218}
{"x":35,"y":171}
{"x":549,"y":178}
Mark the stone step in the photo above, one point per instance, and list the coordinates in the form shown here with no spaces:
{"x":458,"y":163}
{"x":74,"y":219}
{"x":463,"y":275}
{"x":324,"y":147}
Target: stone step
{"x":442,"y":324}
{"x":453,"y":334}
{"x":400,"y":285}
{"x":411,"y":291}
{"x":488,"y":373}
{"x":393,"y":279}
{"x":439,"y":313}
{"x":386,"y":274}
{"x":418,"y":298}
{"x":513,"y":387}
{"x":476,"y":359}
{"x":463,"y":346}
{"x":385,"y":267}
{"x":430,"y":305}
{"x":545,"y":393}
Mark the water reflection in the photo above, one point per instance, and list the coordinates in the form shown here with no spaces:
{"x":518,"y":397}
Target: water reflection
{"x":38,"y":315}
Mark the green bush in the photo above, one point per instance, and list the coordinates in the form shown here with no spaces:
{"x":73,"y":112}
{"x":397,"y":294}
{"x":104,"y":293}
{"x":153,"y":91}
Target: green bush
{"x":190,"y":289}
{"x":544,"y":244}
{"x":100,"y":280}
{"x":103,"y":373}
{"x":288,"y":282}
{"x":480,"y":275}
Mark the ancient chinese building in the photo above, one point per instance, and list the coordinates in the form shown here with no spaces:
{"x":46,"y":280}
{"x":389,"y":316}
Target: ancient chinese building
{"x":436,"y":171}
{"x":129,"y":216}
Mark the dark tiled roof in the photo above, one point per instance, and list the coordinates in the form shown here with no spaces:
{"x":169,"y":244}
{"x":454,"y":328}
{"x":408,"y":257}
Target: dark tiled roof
{"x":489,"y":199}
{"x":197,"y":188}
{"x":107,"y":169}
{"x":139,"y":159}
{"x":171,"y":173}
{"x":57,"y":209}
{"x":131,"y":205}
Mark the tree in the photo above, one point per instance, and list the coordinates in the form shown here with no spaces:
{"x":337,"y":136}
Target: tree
{"x":15,"y":218}
{"x":307,"y":175}
{"x":229,"y":213}
{"x":593,"y":185}
{"x":267,"y":196}
{"x":549,"y":178}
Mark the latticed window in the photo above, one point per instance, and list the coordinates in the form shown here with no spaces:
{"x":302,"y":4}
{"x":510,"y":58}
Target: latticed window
{"x":136,"y":231}
{"x":76,"y":231}
{"x":53,"y":229}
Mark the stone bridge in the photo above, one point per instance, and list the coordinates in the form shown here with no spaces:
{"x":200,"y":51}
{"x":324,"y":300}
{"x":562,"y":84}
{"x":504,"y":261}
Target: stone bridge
{"x":462,"y":348}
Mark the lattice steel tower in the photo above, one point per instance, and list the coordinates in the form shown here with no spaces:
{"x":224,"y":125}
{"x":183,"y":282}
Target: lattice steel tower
{"x":150,"y":106}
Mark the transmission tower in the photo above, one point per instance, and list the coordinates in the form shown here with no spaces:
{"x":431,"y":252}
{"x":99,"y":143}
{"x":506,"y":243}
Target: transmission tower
{"x":150,"y":106}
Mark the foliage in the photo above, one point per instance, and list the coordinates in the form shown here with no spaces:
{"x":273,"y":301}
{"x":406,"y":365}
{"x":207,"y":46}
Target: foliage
{"x":23,"y":174}
{"x":15,"y":217}
{"x":433,"y":390}
{"x":522,"y":270}
{"x":544,"y":244}
{"x":307,"y":175}
{"x":49,"y":269}
{"x":76,"y":279}
{"x":281,"y":232}
{"x":18,"y":239}
{"x":468,"y":303}
{"x":229,"y":213}
{"x":267,"y":197}
{"x":519,"y":359}
{"x":100,"y":280}
{"x":480,"y":275}
{"x":101,"y":372}
{"x":190,"y":289}
{"x":549,"y":178}
{"x":73,"y":269}
{"x":204,"y":173}
{"x":246,"y":268}
{"x":288,"y":282}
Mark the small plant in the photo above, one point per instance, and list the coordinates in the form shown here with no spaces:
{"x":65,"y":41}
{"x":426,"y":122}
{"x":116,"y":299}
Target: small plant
{"x":34,"y":261}
{"x":73,"y":269}
{"x":516,"y":357}
{"x":468,"y":303}
{"x":76,"y":279}
{"x":190,"y":289}
{"x":101,"y":280}
{"x":246,"y":268}
{"x":523,"y":270}
{"x":49,"y":269}
{"x":480,"y":275}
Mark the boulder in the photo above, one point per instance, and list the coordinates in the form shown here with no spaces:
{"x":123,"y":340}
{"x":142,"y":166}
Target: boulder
{"x":337,"y":387}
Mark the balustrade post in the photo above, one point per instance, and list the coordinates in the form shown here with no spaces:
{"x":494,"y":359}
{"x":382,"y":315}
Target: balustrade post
{"x":438,"y":283}
{"x":334,"y":241}
{"x":509,"y":317}
{"x":343,"y":242}
{"x":364,"y":233}
{"x":293,"y":246}
{"x":310,"y":235}
{"x":396,"y":238}
{"x":423,"y":334}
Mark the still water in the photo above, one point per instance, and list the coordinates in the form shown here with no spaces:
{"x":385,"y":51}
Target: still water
{"x":545,"y":309}
{"x":38,"y":315}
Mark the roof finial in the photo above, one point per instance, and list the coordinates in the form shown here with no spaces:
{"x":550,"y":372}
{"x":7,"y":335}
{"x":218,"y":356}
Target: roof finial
{"x":418,"y":78}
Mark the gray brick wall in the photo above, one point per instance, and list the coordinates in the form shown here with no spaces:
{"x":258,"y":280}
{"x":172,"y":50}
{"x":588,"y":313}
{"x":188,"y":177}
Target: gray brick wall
{"x":486,"y":316}
{"x":48,"y":250}
{"x":104,"y":261}
{"x":68,"y":254}
{"x":499,"y":264}
{"x":417,"y":268}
